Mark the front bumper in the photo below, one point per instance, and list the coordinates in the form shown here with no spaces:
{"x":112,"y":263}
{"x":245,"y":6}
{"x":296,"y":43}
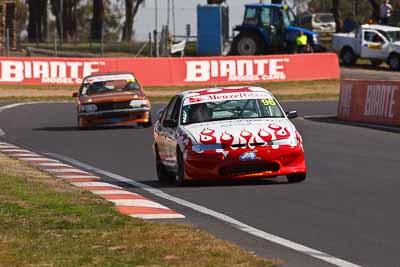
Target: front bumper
{"x":116,"y":117}
{"x":269,"y":163}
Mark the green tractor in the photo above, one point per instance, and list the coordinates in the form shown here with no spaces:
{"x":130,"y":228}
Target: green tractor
{"x":270,"y":29}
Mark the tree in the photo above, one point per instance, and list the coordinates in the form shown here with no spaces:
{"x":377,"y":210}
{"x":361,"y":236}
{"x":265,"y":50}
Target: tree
{"x":336,"y":14}
{"x":37,"y":21}
{"x":375,"y":9}
{"x":66,"y":20}
{"x":131,"y":9}
{"x":97,"y":22}
{"x":21,"y":15}
{"x":69,"y":19}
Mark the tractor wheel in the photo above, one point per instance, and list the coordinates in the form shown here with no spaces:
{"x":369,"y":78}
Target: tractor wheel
{"x":348,"y":57}
{"x":394,"y":62}
{"x":248,"y":44}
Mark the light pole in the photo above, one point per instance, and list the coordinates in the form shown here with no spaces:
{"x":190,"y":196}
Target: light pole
{"x":173,"y":17}
{"x":156,"y":14}
{"x":156,"y":30}
{"x":61,"y":23}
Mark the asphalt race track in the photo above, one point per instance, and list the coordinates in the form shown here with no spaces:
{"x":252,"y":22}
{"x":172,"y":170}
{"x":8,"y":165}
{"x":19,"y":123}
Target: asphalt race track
{"x":348,"y":207}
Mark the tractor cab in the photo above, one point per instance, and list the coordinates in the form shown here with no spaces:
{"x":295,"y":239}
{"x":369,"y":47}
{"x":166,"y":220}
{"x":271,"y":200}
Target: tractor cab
{"x":268,"y":28}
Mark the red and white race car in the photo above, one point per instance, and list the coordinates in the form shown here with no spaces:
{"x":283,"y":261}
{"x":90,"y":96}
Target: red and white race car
{"x":233,"y":133}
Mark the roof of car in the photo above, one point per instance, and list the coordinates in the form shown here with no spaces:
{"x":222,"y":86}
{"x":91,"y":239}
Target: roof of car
{"x":380,"y":27}
{"x":264,"y":5}
{"x":222,"y":90}
{"x":108,"y":74}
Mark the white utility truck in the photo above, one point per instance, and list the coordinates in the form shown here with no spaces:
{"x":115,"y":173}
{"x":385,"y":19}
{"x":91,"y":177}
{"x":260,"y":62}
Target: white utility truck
{"x":378,"y":43}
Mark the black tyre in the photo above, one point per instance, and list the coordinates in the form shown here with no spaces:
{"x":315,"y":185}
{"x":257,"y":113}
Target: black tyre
{"x":248,"y":44}
{"x":348,"y":57}
{"x":376,"y":62}
{"x":180,"y":174}
{"x":394,"y":62}
{"x":162,"y":174}
{"x":296,"y":177}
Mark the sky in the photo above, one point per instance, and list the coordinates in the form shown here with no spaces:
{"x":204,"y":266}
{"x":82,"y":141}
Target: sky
{"x":185,"y":13}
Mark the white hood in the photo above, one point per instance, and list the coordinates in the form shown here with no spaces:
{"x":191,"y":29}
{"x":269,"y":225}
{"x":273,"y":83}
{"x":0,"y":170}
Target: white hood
{"x":396,"y":46}
{"x":235,"y":132}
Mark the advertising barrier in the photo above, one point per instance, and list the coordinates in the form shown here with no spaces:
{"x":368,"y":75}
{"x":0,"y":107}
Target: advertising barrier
{"x":370,"y":101}
{"x":172,"y":71}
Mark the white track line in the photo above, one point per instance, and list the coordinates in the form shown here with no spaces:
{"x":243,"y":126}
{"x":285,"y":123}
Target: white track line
{"x":7,"y":146}
{"x":137,"y":203}
{"x":3,"y":108}
{"x":235,"y":223}
{"x":113,"y":192}
{"x":158,"y":216}
{"x":25,"y":155}
{"x":53,"y":164}
{"x":12,"y":106}
{"x":68,"y":170}
{"x":76,"y":176}
{"x":15,"y":150}
{"x":83,"y":184}
{"x":39,"y":159}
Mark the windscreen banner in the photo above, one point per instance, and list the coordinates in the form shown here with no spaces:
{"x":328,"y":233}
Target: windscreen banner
{"x":376,"y":102}
{"x":172,"y":71}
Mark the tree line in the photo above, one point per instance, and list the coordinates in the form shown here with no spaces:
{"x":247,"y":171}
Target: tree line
{"x":70,"y":15}
{"x":362,"y":10}
{"x":66,"y":13}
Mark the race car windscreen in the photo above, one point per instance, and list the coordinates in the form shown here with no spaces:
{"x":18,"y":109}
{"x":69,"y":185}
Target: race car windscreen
{"x":207,"y":111}
{"x":98,"y":86}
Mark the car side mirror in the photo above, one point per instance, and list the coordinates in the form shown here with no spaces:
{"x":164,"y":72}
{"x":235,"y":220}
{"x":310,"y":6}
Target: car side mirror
{"x":160,"y":113}
{"x":170,"y":123}
{"x":75,"y":94}
{"x":292,"y":114}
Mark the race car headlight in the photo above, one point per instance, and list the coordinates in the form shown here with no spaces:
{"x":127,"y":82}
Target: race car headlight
{"x":202,"y":148}
{"x":139,"y":103}
{"x":290,"y":141}
{"x":89,"y":108}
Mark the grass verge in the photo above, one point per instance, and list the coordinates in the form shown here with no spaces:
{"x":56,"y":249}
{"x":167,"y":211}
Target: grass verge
{"x":46,"y":222}
{"x":298,"y":90}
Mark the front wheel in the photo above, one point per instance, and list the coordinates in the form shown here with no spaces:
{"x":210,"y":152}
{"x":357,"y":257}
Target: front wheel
{"x":296,"y":177}
{"x":394,"y":62}
{"x":162,"y":174}
{"x":81,"y":124}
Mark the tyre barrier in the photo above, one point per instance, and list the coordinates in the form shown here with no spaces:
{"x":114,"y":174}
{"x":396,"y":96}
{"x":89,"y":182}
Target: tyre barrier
{"x":376,"y":102}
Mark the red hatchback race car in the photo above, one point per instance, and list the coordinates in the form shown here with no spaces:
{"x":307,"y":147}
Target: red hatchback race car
{"x":227,"y":133}
{"x":112,"y":99}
